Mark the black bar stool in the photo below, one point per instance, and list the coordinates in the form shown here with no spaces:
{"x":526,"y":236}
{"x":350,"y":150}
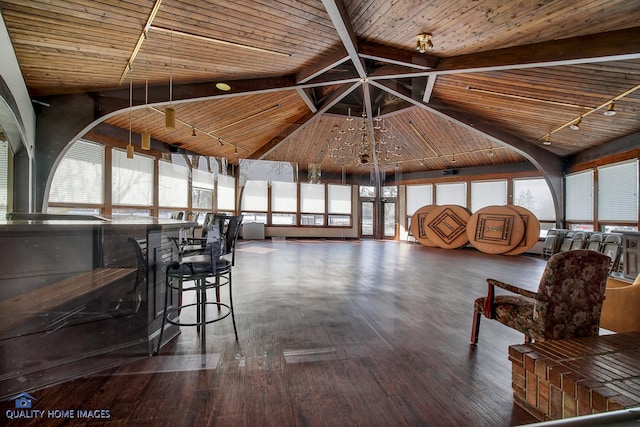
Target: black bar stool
{"x":214,"y":263}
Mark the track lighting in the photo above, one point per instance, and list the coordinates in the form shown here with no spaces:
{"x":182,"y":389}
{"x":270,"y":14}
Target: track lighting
{"x":576,"y":125}
{"x":611,"y":110}
{"x":193,"y":131}
{"x":547,"y":140}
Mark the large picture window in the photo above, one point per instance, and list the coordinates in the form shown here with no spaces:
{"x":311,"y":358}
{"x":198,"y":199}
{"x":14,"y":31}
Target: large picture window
{"x":534,"y":194}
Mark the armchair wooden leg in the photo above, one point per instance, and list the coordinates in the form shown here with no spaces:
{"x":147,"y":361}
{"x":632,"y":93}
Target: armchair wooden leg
{"x":475,"y":328}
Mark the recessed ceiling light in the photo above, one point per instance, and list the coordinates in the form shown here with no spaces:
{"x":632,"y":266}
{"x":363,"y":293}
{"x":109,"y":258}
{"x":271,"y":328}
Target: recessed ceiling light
{"x":223,"y":86}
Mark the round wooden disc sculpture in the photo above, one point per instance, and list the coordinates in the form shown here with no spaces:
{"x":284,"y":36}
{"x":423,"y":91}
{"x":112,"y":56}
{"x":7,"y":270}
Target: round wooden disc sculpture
{"x":445,"y":226}
{"x":531,"y":230}
{"x":495,"y":229}
{"x":418,"y":225}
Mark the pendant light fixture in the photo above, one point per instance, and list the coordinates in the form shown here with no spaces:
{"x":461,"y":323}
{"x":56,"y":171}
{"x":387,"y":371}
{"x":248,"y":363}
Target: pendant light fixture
{"x":129,"y":146}
{"x":145,"y":141}
{"x":169,"y":112}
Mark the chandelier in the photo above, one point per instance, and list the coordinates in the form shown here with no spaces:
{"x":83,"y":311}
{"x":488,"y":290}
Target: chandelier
{"x":353,"y":144}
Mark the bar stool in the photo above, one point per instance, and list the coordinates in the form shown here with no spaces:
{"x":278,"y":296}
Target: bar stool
{"x":215,"y":263}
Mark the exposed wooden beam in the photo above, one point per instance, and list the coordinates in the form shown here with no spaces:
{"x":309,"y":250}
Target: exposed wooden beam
{"x":396,"y":72}
{"x":307,"y":98}
{"x":323,"y":65}
{"x":629,"y":143}
{"x":342,"y":23}
{"x":550,"y":165}
{"x":332,"y":100}
{"x":610,"y":46}
{"x":431,"y":83}
{"x":378,"y":52}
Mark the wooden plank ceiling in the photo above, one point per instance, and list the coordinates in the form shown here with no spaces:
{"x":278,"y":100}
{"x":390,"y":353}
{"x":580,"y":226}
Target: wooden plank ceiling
{"x":501,"y":76}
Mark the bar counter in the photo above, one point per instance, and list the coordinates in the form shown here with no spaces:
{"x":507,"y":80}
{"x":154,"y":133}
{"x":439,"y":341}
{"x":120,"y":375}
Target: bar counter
{"x":74,"y":296}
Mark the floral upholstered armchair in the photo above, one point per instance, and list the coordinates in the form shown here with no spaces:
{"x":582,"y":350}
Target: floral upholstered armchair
{"x":567,"y":304}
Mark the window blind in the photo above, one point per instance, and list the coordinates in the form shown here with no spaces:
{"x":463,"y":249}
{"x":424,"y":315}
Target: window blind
{"x":284,"y":196}
{"x":618,"y":192}
{"x":226,"y":193}
{"x":488,"y":193}
{"x":132,"y":179}
{"x":254,"y":196}
{"x":79,"y":177}
{"x":173,"y":185}
{"x":418,"y":196}
{"x":579,"y":196}
{"x":311,"y":198}
{"x":452,"y":194}
{"x":339,"y":199}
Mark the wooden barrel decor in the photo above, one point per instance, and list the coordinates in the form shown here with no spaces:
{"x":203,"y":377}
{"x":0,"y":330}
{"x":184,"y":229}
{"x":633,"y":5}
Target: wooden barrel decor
{"x":418,"y":226}
{"x":495,"y":229}
{"x":446,"y":226}
{"x":531,"y":231}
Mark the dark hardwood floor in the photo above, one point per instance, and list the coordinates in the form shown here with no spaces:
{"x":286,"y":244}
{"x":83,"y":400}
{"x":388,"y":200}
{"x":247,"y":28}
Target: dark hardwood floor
{"x":331,"y":333}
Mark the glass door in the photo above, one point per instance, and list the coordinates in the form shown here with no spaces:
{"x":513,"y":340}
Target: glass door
{"x":389,"y":219}
{"x":366,"y":218}
{"x":389,"y":212}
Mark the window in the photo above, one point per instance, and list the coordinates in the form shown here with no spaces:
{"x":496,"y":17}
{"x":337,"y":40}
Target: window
{"x":390,"y":191}
{"x":202,"y":181}
{"x":418,"y":196}
{"x":618,"y":192}
{"x":79,"y":177}
{"x":488,"y":193}
{"x":579,"y":197}
{"x":4,"y":177}
{"x":226,"y":193}
{"x":254,"y":201}
{"x":534,"y":194}
{"x":367,"y":191}
{"x":254,"y":196}
{"x":173,"y":183}
{"x":284,"y":203}
{"x":452,"y":194}
{"x":312,"y":204}
{"x":132,"y":181}
{"x":339,"y":200}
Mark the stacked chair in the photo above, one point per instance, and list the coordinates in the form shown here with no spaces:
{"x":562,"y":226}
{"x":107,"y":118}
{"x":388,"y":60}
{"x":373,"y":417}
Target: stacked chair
{"x":562,"y":240}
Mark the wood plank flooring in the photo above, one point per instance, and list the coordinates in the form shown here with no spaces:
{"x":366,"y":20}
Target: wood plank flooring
{"x":331,"y":333}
